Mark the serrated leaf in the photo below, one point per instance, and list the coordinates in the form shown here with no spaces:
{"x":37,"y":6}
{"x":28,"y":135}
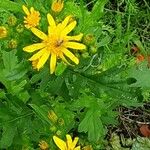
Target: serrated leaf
{"x":142,"y":75}
{"x":92,"y":124}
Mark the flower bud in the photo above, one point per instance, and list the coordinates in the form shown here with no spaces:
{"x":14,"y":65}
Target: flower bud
{"x":89,"y":39}
{"x":12,"y":20}
{"x":93,"y":49}
{"x":3,"y":32}
{"x":57,"y":5}
{"x":52,"y":116}
{"x":85,"y":55}
{"x":43,"y":145}
{"x":20,"y":28}
{"x":12,"y":43}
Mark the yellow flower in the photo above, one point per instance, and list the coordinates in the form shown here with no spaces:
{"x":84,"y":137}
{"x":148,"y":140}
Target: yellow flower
{"x":43,"y":145}
{"x":57,"y":5}
{"x":56,"y":43}
{"x":33,"y":17}
{"x":68,"y":145}
{"x":3,"y":32}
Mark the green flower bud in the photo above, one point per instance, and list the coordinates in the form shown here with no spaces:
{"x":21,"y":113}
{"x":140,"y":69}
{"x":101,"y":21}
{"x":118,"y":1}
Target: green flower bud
{"x":20,"y":28}
{"x":12,"y":43}
{"x":12,"y":20}
{"x":89,"y":39}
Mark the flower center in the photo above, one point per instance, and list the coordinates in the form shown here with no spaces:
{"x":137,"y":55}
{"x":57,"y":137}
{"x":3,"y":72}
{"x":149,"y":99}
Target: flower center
{"x":54,"y":44}
{"x":33,"y":19}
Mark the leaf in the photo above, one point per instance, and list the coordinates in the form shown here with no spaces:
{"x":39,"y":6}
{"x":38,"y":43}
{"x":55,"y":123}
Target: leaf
{"x":10,"y":60}
{"x":141,"y":144}
{"x":60,"y":69}
{"x":12,"y":69}
{"x":98,"y":9}
{"x":41,"y":112}
{"x":9,"y":131}
{"x":141,"y":74}
{"x":92,"y":124}
{"x":11,"y":6}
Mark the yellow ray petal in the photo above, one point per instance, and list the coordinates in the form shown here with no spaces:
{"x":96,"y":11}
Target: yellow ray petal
{"x":51,"y":20}
{"x":74,"y":142}
{"x":53,"y":63}
{"x":25,"y":9}
{"x":34,"y":47}
{"x":69,"y":141}
{"x":70,"y":55}
{"x":75,"y":38}
{"x":39,"y":33}
{"x":60,"y":143}
{"x":77,"y":148}
{"x":68,"y":28}
{"x":38,"y":54}
{"x":66,"y":21}
{"x":43,"y":59}
{"x":51,"y":30}
{"x":31,"y":9}
{"x":75,"y":45}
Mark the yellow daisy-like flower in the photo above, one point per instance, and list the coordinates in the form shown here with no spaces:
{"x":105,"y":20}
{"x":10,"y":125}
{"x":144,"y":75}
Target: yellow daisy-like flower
{"x":68,"y":145}
{"x":33,"y":17}
{"x":57,"y":5}
{"x":55,"y":44}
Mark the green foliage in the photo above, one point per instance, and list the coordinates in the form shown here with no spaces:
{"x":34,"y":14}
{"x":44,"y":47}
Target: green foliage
{"x":83,"y":98}
{"x":141,"y":74}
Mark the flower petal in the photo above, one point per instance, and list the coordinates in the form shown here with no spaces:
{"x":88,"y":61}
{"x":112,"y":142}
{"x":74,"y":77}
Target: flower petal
{"x":77,"y":148}
{"x":70,"y":55}
{"x":43,"y":59}
{"x":68,"y":28}
{"x":75,"y":45}
{"x":51,"y":30}
{"x":74,"y":142}
{"x":66,"y":21}
{"x":53,"y":63}
{"x":39,"y":33}
{"x":32,"y":10}
{"x":75,"y":38}
{"x":25,"y":9}
{"x":34,"y":47}
{"x":60,"y":143}
{"x":69,"y":141}
{"x":38,"y":54}
{"x":51,"y":20}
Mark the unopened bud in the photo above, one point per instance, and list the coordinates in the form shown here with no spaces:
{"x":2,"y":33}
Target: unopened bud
{"x":12,"y":43}
{"x":12,"y":20}
{"x":3,"y":32}
{"x":20,"y":28}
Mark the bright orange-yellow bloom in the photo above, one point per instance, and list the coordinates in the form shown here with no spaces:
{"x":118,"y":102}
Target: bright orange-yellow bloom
{"x":68,"y":145}
{"x":55,"y":44}
{"x":57,"y":5}
{"x":33,"y":17}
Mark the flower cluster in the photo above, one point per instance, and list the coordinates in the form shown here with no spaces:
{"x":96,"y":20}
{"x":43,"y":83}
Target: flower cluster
{"x":56,"y":44}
